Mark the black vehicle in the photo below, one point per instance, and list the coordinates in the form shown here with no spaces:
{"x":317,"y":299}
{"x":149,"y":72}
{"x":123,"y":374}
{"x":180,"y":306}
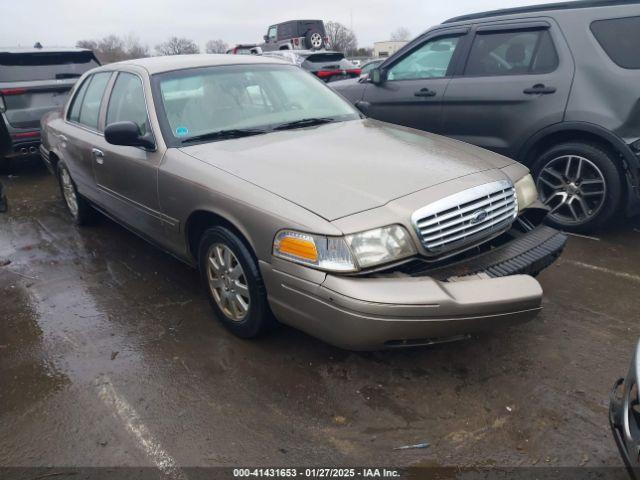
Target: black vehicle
{"x":33,"y":82}
{"x":624,"y":416}
{"x":3,"y":199}
{"x":296,"y":35}
{"x":328,"y":66}
{"x":555,"y":86}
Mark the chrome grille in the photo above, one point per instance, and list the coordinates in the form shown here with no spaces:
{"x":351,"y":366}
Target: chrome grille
{"x":466,"y":217}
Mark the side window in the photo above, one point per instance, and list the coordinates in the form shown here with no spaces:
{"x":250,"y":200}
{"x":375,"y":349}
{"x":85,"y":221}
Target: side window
{"x":431,"y":60}
{"x":90,"y":109}
{"x":127,"y":102}
{"x":619,"y":37}
{"x":272,"y":32}
{"x":74,"y":111}
{"x":512,"y":53}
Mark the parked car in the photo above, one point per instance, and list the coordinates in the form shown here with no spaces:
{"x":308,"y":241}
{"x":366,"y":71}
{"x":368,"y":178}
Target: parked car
{"x":33,"y":82}
{"x":296,"y":35}
{"x":624,"y":416}
{"x":328,"y":66}
{"x":254,"y":172}
{"x":245,"y":49}
{"x":3,"y":199}
{"x":553,"y":86}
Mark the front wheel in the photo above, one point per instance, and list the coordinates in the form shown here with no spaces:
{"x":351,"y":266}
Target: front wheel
{"x":581,"y":184}
{"x":234,"y":285}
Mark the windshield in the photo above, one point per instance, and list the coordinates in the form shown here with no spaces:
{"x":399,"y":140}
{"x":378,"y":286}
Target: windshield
{"x":21,"y":67}
{"x":200,"y":101}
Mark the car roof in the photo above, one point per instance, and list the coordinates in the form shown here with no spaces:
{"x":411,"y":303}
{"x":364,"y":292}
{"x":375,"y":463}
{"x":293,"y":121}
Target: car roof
{"x":579,"y":4}
{"x":170,"y":63}
{"x":42,"y":50}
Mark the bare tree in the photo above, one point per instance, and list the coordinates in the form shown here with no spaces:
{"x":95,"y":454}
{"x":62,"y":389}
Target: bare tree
{"x":401,"y":34}
{"x":134,"y":48}
{"x":177,"y":46}
{"x":88,"y":44}
{"x":216,"y":46}
{"x":340,"y":37}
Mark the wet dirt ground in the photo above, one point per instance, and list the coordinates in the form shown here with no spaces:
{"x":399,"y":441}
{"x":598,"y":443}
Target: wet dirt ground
{"x":110,"y":355}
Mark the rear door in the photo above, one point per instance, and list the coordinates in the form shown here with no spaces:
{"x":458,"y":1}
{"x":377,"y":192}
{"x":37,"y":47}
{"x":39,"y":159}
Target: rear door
{"x":80,"y":131}
{"x":515,"y":81}
{"x":33,"y":84}
{"x":416,"y":81}
{"x":127,"y":177}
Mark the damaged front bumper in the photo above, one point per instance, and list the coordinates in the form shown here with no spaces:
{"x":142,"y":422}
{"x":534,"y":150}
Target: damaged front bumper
{"x":416,"y":303}
{"x":624,"y":417}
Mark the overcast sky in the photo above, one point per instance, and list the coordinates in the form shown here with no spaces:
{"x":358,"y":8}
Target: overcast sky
{"x":63,"y":22}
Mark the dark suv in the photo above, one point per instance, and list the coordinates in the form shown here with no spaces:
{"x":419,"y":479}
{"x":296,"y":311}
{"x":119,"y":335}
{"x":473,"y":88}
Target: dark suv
{"x":556,"y":87}
{"x":296,"y":35}
{"x":33,"y":82}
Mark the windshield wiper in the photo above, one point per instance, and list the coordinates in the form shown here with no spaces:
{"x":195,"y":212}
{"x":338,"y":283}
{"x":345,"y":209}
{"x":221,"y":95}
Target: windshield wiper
{"x":305,"y":122}
{"x":225,"y":134}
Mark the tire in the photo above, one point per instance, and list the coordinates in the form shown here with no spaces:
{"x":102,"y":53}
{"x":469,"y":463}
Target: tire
{"x":81,"y":212}
{"x":223,"y":287}
{"x":589,"y":196}
{"x":313,"y":40}
{"x":5,"y":165}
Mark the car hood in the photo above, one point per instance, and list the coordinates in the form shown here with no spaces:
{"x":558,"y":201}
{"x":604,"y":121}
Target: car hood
{"x":340,"y":169}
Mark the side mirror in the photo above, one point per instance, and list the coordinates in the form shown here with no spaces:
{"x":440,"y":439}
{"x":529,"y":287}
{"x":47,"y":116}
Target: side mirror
{"x":266,"y":38}
{"x":127,"y":134}
{"x":377,"y":76}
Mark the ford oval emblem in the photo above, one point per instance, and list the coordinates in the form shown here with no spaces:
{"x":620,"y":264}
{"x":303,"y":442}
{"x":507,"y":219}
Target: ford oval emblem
{"x":479,"y":216}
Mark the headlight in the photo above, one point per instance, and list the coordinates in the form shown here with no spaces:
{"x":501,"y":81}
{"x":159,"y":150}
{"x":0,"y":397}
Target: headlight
{"x":344,"y":254}
{"x":382,"y":245}
{"x":526,"y":192}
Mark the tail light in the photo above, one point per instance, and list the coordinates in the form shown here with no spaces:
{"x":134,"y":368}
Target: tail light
{"x":13,"y":91}
{"x":25,"y":135}
{"x":296,"y":41}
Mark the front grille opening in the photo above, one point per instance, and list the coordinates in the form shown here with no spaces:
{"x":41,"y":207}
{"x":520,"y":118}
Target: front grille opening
{"x":465,"y":217}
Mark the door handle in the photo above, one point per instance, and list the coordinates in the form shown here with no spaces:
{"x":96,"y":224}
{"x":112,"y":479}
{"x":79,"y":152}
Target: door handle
{"x":98,"y":155}
{"x":539,"y":89}
{"x":425,"y":92}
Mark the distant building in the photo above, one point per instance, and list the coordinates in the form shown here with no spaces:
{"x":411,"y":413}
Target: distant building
{"x":387,"y":48}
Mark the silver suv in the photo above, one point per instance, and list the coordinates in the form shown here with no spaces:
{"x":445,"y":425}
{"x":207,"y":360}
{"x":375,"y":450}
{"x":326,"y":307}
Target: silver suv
{"x":33,"y":82}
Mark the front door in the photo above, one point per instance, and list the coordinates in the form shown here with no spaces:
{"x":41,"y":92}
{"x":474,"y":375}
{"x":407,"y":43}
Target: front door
{"x":127,"y":177}
{"x":412,"y":92}
{"x":516,"y":81}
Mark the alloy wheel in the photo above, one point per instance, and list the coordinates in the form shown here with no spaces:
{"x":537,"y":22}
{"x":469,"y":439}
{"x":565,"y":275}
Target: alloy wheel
{"x":574,"y":189}
{"x":69,"y":192}
{"x":228,"y":282}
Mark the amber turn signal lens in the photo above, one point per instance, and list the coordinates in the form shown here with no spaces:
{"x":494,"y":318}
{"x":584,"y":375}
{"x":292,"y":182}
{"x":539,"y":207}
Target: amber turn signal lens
{"x":298,"y":247}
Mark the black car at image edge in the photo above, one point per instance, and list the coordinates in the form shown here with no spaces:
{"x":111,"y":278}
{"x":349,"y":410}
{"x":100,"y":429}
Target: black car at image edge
{"x":556,"y":87}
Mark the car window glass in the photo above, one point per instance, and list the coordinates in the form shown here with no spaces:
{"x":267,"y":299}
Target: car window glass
{"x":512,"y":53}
{"x":74,"y":112}
{"x":620,"y":38}
{"x":431,"y":60}
{"x":211,"y":99}
{"x":90,"y":109}
{"x":127,"y":102}
{"x":272,"y":32}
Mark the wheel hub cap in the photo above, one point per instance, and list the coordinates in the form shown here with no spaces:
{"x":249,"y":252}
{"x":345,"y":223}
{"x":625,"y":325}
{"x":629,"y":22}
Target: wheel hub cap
{"x":574,"y":189}
{"x":227,"y":282}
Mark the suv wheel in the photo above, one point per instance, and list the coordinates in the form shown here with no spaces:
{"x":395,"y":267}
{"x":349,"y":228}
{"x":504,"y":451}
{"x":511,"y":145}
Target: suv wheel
{"x":79,"y":208}
{"x":234,"y":285}
{"x":581,"y":185}
{"x":314,"y":40}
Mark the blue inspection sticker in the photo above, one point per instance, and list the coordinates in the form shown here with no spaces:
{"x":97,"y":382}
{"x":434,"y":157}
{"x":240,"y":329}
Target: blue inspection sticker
{"x":182,"y":131}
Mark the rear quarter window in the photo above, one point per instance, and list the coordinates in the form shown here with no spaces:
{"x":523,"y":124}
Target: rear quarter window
{"x":620,"y":39}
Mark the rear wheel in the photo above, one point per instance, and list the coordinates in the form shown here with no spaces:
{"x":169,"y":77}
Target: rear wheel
{"x":79,"y":208}
{"x":581,"y":184}
{"x":234,"y":285}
